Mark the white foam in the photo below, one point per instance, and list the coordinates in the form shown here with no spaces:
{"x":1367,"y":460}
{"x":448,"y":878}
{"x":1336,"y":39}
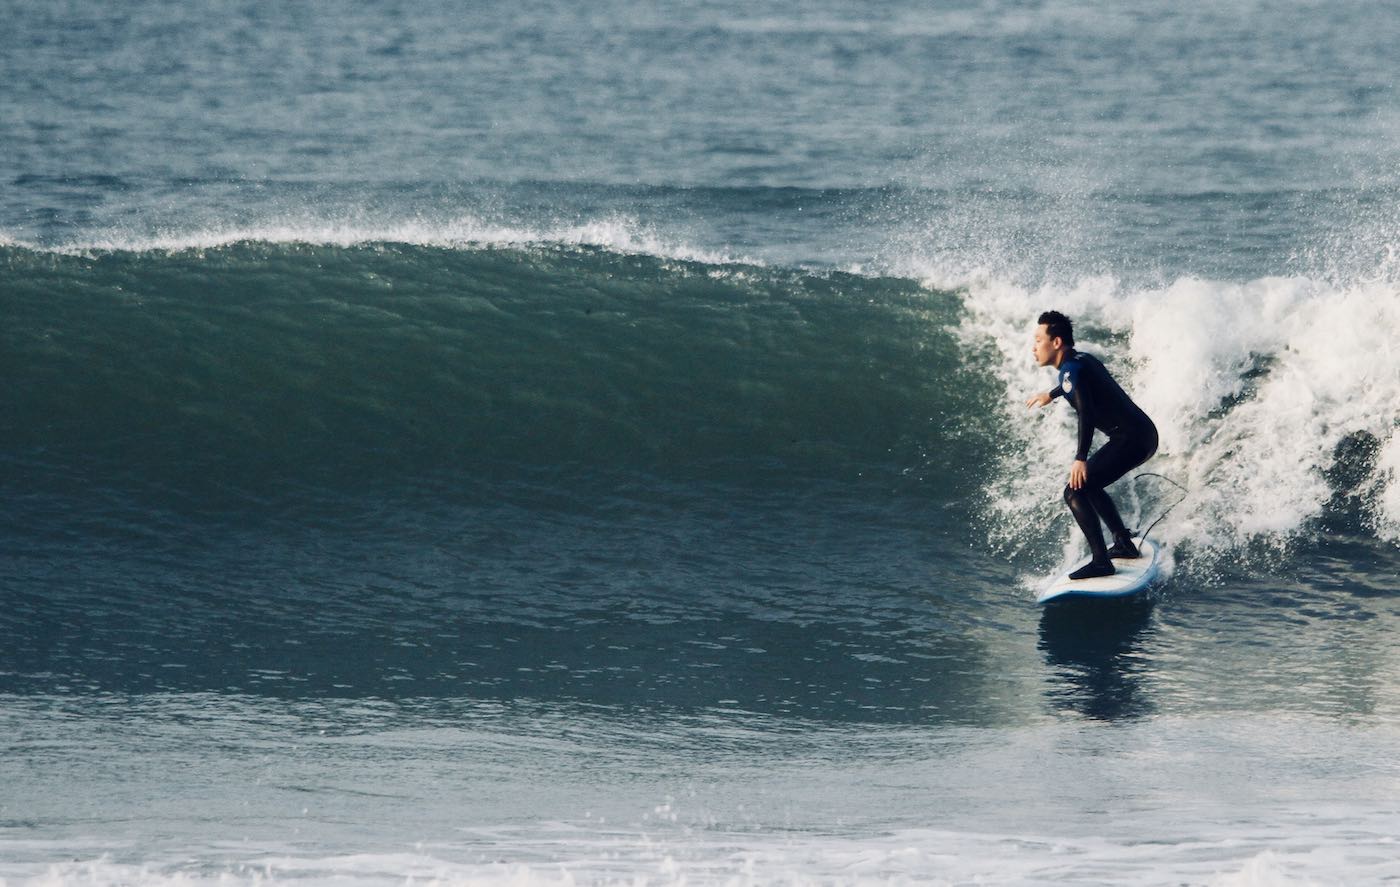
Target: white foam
{"x":1263,"y":870}
{"x":906,"y":856}
{"x":1387,"y":497}
{"x":1252,"y":386}
{"x":618,"y":234}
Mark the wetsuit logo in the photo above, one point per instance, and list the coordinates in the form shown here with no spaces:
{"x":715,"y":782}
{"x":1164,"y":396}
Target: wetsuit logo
{"x":1067,"y":383}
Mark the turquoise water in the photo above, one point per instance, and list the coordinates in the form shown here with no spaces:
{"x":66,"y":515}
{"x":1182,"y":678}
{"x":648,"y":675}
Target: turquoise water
{"x":585,"y":444}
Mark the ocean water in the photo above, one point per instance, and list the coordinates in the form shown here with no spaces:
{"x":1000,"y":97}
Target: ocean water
{"x":581,"y":444}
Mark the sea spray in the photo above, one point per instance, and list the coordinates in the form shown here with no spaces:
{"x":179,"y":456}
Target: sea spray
{"x":1253,"y":387}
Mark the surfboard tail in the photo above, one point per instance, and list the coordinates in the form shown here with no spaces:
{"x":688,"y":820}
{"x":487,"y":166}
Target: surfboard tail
{"x":1130,"y":577}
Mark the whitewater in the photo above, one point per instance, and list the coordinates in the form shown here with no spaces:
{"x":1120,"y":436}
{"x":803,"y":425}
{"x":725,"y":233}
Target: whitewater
{"x":587,"y":445}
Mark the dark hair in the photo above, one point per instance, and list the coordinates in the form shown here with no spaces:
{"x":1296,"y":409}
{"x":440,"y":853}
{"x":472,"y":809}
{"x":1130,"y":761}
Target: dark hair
{"x":1056,"y":324}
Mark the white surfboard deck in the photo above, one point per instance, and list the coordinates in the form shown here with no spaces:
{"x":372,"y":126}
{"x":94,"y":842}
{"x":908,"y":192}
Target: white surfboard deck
{"x":1132,"y":577}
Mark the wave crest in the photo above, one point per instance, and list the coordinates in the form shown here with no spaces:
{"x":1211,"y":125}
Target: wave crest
{"x":1258,"y":390}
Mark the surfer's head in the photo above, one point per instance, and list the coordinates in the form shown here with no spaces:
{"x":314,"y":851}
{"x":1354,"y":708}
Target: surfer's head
{"x":1054,"y":337}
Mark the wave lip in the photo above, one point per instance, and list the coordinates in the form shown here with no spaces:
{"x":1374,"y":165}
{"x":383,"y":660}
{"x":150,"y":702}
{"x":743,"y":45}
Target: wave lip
{"x":616,"y":233}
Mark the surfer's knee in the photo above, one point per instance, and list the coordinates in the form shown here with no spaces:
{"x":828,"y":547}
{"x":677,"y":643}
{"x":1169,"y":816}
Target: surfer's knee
{"x":1080,"y":499}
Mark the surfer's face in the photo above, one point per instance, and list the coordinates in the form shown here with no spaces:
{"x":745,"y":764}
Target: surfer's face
{"x":1045,"y":348}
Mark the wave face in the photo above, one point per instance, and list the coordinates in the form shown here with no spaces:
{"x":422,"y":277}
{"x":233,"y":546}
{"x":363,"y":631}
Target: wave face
{"x":242,"y":369}
{"x":249,"y":366}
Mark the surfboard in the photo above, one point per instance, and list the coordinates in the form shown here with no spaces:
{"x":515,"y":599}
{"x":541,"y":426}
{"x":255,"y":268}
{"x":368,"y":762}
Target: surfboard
{"x":1132,"y":577}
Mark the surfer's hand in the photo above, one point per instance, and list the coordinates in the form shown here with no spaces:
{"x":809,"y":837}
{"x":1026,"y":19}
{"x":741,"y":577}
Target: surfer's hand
{"x":1078,"y":474}
{"x":1038,"y":400}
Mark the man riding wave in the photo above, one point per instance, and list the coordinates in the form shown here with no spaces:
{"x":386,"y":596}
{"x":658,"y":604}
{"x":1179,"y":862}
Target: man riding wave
{"x":1101,"y":404}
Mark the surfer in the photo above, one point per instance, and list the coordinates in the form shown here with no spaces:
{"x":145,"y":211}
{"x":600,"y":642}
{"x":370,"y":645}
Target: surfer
{"x":1101,"y":404}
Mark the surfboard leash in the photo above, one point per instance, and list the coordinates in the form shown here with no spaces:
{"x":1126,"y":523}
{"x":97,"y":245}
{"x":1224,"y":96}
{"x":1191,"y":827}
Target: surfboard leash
{"x":1184,"y":493}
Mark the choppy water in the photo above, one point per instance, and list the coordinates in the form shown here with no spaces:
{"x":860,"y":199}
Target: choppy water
{"x":584,"y":444}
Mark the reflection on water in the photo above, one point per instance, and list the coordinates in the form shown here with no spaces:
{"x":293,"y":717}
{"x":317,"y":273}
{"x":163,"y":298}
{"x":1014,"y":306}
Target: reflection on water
{"x":1093,"y":649}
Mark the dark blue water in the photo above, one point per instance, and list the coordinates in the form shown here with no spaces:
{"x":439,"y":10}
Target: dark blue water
{"x":585,"y":444}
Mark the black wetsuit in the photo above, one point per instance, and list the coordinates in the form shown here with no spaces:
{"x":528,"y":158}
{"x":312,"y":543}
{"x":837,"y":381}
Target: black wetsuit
{"x":1132,"y":439}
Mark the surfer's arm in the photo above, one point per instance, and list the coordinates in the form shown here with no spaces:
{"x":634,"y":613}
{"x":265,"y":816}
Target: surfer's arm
{"x":1084,"y":406}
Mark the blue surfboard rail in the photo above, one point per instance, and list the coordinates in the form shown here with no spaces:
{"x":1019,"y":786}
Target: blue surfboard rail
{"x":1131,"y":577}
